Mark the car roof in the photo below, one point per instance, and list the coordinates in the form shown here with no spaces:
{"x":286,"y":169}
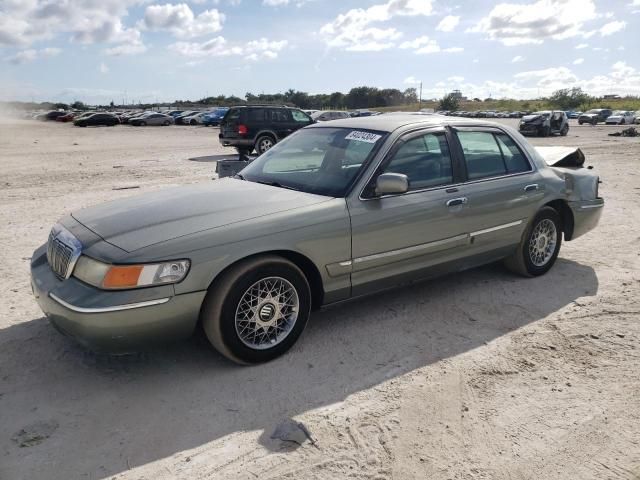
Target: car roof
{"x":389,"y":123}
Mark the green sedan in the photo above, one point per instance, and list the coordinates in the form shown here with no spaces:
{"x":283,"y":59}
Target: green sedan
{"x":335,"y":211}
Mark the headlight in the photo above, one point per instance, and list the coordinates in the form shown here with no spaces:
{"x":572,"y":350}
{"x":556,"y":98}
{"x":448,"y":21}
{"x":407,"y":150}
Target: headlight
{"x":118,"y":277}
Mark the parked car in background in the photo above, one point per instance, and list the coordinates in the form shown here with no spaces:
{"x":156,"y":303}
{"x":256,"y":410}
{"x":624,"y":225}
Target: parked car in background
{"x":194,"y":119}
{"x":67,"y":117}
{"x":621,"y":117}
{"x":310,"y":112}
{"x":323,"y":116}
{"x":637,"y":115}
{"x":259,"y":126}
{"x":213,"y":119}
{"x":179,"y":118}
{"x":333,"y":212}
{"x":52,"y":115}
{"x":152,"y":119}
{"x":544,"y":123}
{"x":595,"y":116}
{"x":97,"y":119}
{"x":572,"y":114}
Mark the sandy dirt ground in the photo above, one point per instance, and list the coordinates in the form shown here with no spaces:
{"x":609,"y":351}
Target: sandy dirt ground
{"x":478,"y":375}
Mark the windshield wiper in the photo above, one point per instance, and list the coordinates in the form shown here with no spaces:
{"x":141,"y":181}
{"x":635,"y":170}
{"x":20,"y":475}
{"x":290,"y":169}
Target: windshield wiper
{"x":276,"y":184}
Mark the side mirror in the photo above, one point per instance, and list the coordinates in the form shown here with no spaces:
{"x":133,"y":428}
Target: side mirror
{"x":391,"y":183}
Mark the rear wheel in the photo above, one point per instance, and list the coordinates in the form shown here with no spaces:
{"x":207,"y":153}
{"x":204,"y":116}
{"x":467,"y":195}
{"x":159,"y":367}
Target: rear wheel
{"x":143,"y":124}
{"x":257,"y":310}
{"x":264,"y":143}
{"x":564,"y":130}
{"x":539,"y":246}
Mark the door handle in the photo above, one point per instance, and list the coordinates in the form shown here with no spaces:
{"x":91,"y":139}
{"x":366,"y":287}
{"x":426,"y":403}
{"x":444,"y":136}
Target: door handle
{"x":531,"y":188}
{"x":457,"y":201}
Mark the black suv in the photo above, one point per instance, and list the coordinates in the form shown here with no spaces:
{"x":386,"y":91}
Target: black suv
{"x":595,"y":115}
{"x":259,"y":126}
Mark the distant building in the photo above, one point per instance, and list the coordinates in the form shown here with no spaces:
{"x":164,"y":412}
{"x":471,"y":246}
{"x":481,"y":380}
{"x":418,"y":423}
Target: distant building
{"x":612,"y":97}
{"x":457,"y":94}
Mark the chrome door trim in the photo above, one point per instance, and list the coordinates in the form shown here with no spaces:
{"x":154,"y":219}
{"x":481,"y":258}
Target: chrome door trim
{"x":599,"y":205}
{"x":115,"y":308}
{"x":497,"y":227}
{"x":412,"y":249}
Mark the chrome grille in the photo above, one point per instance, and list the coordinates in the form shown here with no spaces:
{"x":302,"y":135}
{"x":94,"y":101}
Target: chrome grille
{"x":63,"y":250}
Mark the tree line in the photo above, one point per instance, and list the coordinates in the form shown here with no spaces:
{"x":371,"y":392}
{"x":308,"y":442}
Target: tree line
{"x":358,"y":97}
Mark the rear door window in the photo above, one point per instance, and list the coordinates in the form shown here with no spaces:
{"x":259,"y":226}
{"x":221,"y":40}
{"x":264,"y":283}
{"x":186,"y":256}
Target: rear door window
{"x":278,"y":115}
{"x":488,"y":154}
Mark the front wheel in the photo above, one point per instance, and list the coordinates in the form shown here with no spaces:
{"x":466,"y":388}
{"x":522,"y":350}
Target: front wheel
{"x":257,"y":310}
{"x":166,"y":123}
{"x":540,"y":245}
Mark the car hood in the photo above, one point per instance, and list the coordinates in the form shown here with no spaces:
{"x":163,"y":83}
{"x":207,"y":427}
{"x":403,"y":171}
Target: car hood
{"x":531,"y":118}
{"x":137,"y":222}
{"x":615,"y":117}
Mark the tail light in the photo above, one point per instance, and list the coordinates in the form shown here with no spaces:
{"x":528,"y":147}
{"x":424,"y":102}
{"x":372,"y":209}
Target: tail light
{"x":242,"y":129}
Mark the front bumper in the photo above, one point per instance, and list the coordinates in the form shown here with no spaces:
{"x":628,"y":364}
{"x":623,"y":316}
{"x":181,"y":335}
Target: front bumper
{"x":113,"y":321}
{"x":528,"y":129}
{"x":586,"y":215}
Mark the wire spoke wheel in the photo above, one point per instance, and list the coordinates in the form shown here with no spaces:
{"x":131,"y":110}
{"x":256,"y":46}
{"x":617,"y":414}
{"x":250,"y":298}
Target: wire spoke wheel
{"x":542,"y":243}
{"x":267,"y":313}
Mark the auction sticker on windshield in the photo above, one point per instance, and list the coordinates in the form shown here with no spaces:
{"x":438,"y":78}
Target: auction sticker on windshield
{"x":363,"y":137}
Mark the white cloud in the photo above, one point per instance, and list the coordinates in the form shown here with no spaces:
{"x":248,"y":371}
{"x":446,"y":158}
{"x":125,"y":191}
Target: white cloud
{"x":180,"y":20}
{"x":219,"y":47}
{"x":24,"y":22}
{"x":578,"y":61}
{"x":30,"y":55}
{"x":353,"y":31}
{"x":582,"y":45}
{"x":425,"y":45}
{"x":456,"y":79}
{"x":126,"y":49}
{"x":448,"y":23}
{"x":518,"y":24}
{"x":517,"y":58}
{"x":102,"y":68}
{"x":611,"y":28}
{"x":281,"y":3}
{"x":411,"y":80}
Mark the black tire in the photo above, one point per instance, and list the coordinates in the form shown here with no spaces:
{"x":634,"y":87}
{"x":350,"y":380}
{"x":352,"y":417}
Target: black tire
{"x":166,"y":123}
{"x":218,"y":313}
{"x":622,"y":122}
{"x":594,"y":122}
{"x":580,"y":123}
{"x":520,"y":262}
{"x":143,"y":124}
{"x":193,"y":122}
{"x":264,"y":143}
{"x":564,"y":130}
{"x":546,"y":131}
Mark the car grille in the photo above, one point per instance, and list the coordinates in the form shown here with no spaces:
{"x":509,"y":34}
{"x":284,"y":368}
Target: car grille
{"x":61,"y":254}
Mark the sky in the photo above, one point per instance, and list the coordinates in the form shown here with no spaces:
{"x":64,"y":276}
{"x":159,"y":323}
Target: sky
{"x":96,"y":51}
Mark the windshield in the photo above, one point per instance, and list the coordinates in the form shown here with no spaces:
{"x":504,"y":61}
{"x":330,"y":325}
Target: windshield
{"x":545,"y":113}
{"x":324,"y":161}
{"x":619,"y":112}
{"x":593,"y":111}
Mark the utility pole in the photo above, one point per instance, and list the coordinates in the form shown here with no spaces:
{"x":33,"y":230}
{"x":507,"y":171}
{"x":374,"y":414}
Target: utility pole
{"x":420,"y":97}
